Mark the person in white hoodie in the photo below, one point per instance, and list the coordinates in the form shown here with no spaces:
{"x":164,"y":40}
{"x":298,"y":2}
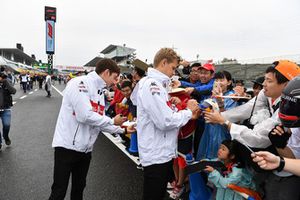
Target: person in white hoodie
{"x":80,"y":120}
{"x":48,"y":85}
{"x":158,"y":123}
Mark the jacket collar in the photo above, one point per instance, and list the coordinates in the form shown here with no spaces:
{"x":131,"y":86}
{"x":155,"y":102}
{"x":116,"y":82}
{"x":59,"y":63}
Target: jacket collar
{"x":99,"y":82}
{"x":157,"y":75}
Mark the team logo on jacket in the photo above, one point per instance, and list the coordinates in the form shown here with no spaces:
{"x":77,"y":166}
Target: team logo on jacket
{"x":82,"y":87}
{"x":154,"y":89}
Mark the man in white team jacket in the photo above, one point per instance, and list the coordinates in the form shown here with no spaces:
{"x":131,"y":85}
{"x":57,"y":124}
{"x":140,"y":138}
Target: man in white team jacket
{"x":158,"y":124}
{"x":79,"y":122}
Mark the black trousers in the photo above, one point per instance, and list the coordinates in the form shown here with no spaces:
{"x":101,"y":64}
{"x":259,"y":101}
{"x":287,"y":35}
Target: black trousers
{"x":282,"y":188}
{"x":48,"y":93}
{"x":156,"y":178}
{"x":67,"y":162}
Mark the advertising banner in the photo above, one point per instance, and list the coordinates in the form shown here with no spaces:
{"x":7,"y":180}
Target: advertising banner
{"x":50,"y":39}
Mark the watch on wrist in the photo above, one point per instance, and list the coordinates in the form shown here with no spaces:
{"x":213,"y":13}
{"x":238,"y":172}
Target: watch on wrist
{"x":281,"y":164}
{"x":226,"y":123}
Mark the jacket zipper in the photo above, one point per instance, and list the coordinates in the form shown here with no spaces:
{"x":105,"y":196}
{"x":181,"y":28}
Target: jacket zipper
{"x":75,"y":134}
{"x":87,"y":147}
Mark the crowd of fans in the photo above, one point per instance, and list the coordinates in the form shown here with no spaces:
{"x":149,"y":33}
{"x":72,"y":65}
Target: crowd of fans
{"x":233,"y":117}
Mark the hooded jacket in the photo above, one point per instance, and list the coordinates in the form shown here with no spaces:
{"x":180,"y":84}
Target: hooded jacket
{"x":157,"y":123}
{"x":81,"y":115}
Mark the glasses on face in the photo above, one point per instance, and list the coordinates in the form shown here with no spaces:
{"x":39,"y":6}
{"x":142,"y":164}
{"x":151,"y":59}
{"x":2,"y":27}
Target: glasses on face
{"x":194,"y":72}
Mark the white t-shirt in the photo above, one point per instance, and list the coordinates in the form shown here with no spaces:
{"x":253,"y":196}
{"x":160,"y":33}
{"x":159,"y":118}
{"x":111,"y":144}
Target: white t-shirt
{"x":24,"y":78}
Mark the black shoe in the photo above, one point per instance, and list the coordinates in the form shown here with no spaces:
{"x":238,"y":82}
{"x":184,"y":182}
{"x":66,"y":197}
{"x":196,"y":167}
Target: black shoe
{"x":0,"y":147}
{"x":8,"y":142}
{"x":140,"y":167}
{"x":136,"y":154}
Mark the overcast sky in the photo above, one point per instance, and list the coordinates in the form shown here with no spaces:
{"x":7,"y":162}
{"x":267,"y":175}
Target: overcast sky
{"x":214,"y":29}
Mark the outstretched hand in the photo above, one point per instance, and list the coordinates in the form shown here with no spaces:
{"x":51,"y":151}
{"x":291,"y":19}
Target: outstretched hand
{"x":176,"y":84}
{"x":278,"y":130}
{"x":175,"y":100}
{"x":189,"y":90}
{"x":209,"y":169}
{"x":214,"y":117}
{"x":266,"y":160}
{"x":131,"y":129}
{"x":119,"y":119}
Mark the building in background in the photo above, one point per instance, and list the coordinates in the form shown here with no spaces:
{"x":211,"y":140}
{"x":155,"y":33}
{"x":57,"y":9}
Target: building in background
{"x":121,"y":54}
{"x":16,"y":59}
{"x":17,"y":55}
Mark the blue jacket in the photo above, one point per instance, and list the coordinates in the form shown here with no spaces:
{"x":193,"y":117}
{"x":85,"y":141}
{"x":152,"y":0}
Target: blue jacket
{"x":229,"y":103}
{"x":214,"y":134}
{"x":200,"y":87}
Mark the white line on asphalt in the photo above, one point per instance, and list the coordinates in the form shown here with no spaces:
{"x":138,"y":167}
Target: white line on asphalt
{"x":36,"y":90}
{"x":14,"y":102}
{"x":111,"y":138}
{"x":30,"y":92}
{"x":23,"y":97}
{"x":58,"y":91}
{"x":122,"y":147}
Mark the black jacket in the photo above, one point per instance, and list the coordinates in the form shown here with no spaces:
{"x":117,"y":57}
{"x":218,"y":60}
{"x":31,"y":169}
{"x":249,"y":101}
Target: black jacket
{"x":6,"y":90}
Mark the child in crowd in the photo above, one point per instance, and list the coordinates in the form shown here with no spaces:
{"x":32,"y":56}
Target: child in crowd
{"x":234,"y":173}
{"x":125,"y":108}
{"x":185,"y":146}
{"x":214,"y":134}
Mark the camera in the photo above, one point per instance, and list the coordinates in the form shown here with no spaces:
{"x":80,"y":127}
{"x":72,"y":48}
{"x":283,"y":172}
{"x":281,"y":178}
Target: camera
{"x":3,"y":75}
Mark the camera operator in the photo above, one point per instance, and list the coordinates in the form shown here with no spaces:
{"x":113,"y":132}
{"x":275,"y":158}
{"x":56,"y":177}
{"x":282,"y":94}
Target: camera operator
{"x":6,"y":90}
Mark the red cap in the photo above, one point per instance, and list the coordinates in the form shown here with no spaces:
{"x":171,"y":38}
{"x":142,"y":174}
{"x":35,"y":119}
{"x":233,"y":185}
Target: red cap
{"x":208,"y":66}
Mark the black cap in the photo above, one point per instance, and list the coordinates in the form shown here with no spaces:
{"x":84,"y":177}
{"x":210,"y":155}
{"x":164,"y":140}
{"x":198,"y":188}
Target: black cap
{"x":259,"y":80}
{"x":3,"y":74}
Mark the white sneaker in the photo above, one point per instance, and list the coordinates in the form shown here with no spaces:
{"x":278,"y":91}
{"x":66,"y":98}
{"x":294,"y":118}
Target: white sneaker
{"x":171,"y":185}
{"x":118,"y":139}
{"x":177,"y":192}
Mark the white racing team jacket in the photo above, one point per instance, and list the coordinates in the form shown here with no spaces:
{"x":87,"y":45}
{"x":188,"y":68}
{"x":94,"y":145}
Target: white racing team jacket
{"x":81,"y":115}
{"x":157,"y":123}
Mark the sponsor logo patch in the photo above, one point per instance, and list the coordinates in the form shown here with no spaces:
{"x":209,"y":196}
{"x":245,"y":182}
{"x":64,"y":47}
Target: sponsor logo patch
{"x":154,"y":89}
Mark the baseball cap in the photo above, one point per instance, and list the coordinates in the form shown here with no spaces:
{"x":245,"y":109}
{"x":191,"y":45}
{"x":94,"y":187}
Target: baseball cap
{"x":287,"y":68}
{"x":208,"y":66}
{"x":3,"y":74}
{"x":259,"y":80}
{"x":140,"y":64}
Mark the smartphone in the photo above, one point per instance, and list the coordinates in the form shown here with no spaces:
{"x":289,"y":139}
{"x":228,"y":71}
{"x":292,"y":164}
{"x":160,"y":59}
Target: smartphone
{"x":216,"y":85}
